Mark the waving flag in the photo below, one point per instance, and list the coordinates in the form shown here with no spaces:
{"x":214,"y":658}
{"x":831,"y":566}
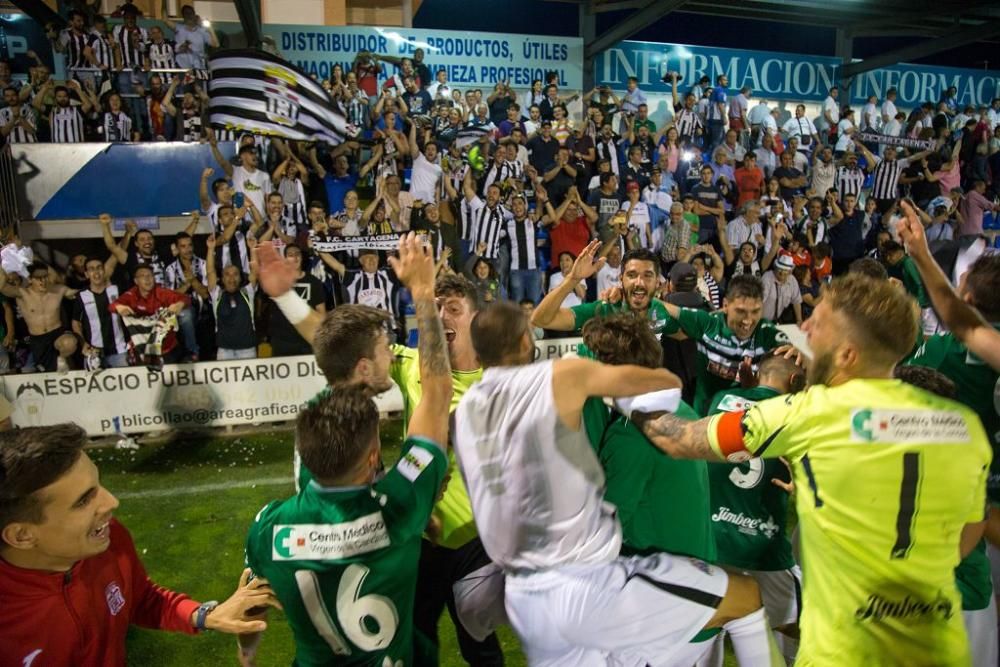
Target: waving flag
{"x":471,"y":135}
{"x":254,"y":91}
{"x":146,"y":335}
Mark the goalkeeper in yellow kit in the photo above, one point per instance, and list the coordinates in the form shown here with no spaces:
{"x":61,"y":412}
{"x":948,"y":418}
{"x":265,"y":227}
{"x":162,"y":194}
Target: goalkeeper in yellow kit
{"x":891,"y":484}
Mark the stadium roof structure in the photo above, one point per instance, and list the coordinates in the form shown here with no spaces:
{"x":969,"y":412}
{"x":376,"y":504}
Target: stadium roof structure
{"x":939,"y":25}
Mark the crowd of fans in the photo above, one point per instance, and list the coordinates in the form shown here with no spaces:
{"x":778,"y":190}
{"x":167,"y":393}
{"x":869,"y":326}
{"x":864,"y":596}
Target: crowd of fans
{"x":509,"y":188}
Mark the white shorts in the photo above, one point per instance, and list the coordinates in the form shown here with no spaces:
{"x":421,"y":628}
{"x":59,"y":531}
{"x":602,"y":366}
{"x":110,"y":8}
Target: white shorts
{"x":781,"y":592}
{"x":630,"y":611}
{"x":981,"y":626}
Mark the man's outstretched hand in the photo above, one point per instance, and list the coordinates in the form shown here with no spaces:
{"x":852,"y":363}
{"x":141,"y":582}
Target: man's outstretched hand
{"x":585,"y":265}
{"x":911,"y":231}
{"x":275,"y":274}
{"x":243,"y":612}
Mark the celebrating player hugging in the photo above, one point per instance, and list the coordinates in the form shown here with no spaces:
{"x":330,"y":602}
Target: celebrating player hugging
{"x":595,"y":547}
{"x":594,"y":512}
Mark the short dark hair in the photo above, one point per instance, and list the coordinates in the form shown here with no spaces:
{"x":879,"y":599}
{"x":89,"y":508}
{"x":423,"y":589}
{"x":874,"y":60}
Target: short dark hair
{"x":38,"y":266}
{"x":336,"y":429}
{"x":218,"y":184}
{"x":641,"y":255}
{"x":927,"y":379}
{"x":745,"y":287}
{"x":454,"y":284}
{"x":142,"y":267}
{"x":780,"y":364}
{"x":981,"y":283}
{"x":181,"y":236}
{"x":497,"y":332}
{"x":892,"y":246}
{"x":346,"y":335}
{"x":623,"y":338}
{"x":247,"y":148}
{"x":315,"y":203}
{"x":870,"y":267}
{"x":30,"y":460}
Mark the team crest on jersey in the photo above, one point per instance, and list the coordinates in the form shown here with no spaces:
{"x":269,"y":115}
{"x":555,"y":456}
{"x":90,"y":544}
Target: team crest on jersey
{"x":412,"y":463}
{"x":931,"y":426}
{"x":732,"y":403}
{"x":329,"y":541}
{"x":116,"y":599}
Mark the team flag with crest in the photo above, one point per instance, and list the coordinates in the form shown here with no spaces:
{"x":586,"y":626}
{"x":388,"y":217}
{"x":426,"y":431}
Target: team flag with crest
{"x":260,"y":93}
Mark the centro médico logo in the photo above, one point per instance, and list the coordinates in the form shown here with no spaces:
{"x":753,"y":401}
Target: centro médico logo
{"x":287,"y":542}
{"x":329,"y":541}
{"x":861,"y":423}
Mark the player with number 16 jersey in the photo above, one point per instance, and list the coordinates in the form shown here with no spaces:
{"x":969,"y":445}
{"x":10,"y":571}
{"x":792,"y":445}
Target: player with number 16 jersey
{"x":346,"y":570}
{"x":342,"y":554}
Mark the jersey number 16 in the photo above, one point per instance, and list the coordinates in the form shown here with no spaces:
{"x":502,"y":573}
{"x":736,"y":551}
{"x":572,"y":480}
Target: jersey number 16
{"x":355,"y":613}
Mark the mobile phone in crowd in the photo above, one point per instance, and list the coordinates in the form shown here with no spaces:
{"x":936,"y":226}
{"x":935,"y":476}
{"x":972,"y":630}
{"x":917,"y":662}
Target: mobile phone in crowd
{"x":239,"y":199}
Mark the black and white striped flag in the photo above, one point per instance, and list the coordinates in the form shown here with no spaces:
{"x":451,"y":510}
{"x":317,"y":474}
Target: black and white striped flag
{"x":471,"y":135}
{"x":146,"y":335}
{"x":257,"y":92}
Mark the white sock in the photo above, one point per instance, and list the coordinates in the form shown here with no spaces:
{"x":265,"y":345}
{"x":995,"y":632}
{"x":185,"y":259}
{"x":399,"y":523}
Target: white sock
{"x":753,"y":642}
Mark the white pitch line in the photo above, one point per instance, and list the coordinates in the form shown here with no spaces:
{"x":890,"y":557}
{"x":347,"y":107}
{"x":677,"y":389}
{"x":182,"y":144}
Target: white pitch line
{"x":205,"y":488}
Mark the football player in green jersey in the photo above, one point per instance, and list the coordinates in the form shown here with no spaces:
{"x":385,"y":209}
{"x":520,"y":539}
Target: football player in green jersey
{"x":663,"y":503}
{"x":727,"y":339}
{"x":640,"y":275}
{"x":749,"y":508}
{"x":342,"y":555}
{"x":969,"y":326}
{"x":974,"y":383}
{"x":890,"y":483}
{"x":351,"y":345}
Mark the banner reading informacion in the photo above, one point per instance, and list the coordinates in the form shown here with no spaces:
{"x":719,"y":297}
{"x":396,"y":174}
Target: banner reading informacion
{"x":477,"y":59}
{"x":786,"y":76}
{"x":139,"y":400}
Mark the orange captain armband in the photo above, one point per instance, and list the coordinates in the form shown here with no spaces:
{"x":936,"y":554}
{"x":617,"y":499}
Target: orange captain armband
{"x":726,"y":436}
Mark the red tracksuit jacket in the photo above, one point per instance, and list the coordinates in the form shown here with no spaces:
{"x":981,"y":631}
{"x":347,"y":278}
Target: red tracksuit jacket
{"x":80,"y":617}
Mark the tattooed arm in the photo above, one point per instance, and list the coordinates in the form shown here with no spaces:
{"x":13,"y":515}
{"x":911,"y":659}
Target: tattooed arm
{"x":415,"y":268}
{"x":680,"y":438}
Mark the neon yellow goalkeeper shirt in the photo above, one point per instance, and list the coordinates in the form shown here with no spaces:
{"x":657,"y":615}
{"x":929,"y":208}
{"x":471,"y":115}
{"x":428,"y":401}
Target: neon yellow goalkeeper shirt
{"x":886,"y":477}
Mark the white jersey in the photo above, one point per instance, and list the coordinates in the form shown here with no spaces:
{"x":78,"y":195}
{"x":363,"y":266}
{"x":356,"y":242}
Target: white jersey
{"x":537,"y":488}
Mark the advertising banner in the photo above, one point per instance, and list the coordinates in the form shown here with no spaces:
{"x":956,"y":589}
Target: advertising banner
{"x":139,"y":400}
{"x":786,"y":76}
{"x":186,"y":396}
{"x":472,"y":59}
